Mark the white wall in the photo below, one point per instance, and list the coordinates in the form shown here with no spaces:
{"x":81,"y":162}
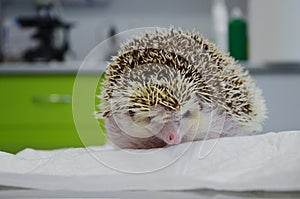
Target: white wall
{"x":282,"y":95}
{"x":274,"y":30}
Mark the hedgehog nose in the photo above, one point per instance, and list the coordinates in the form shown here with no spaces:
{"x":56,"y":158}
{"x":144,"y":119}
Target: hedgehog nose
{"x":173,"y":138}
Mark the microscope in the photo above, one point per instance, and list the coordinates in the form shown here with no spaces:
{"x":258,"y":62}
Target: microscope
{"x":52,"y":35}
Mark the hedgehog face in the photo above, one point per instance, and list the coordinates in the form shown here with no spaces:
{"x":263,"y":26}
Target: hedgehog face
{"x":184,"y":124}
{"x":171,"y":126}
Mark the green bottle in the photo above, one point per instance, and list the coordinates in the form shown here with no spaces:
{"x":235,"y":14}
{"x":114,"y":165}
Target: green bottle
{"x":238,"y":35}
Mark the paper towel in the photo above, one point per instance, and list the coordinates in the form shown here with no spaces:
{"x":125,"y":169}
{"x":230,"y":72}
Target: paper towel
{"x":269,"y":162}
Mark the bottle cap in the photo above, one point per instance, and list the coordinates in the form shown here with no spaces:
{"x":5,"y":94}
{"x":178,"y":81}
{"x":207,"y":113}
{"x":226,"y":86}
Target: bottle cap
{"x":236,"y":13}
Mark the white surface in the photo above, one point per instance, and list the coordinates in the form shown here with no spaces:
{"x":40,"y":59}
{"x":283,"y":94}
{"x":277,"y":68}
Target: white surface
{"x":268,"y":162}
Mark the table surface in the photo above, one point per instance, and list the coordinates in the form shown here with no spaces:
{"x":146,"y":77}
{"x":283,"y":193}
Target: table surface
{"x":12,"y":193}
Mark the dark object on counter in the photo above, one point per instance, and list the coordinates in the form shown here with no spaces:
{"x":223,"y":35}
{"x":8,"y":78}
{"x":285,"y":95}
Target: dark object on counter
{"x":113,"y":43}
{"x":52,"y":35}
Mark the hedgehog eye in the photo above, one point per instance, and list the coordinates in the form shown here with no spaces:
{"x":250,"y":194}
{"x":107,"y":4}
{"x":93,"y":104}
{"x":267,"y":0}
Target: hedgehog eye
{"x":131,"y":113}
{"x":150,"y":118}
{"x":187,"y":114}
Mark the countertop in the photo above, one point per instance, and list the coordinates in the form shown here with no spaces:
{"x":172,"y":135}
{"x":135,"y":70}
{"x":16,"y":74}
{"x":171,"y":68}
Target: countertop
{"x":73,"y":67}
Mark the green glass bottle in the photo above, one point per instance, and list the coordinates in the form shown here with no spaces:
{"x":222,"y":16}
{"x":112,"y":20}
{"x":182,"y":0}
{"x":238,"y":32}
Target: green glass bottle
{"x":238,"y":36}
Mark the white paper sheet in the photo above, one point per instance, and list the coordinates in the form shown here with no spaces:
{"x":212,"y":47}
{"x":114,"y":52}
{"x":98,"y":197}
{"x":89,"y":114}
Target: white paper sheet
{"x":269,"y":162}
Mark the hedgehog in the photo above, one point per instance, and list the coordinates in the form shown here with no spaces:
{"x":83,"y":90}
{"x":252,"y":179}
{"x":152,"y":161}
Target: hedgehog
{"x":170,"y":86}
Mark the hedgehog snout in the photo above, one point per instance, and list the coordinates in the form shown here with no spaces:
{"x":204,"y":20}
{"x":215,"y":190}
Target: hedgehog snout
{"x":173,"y":138}
{"x":170,"y":133}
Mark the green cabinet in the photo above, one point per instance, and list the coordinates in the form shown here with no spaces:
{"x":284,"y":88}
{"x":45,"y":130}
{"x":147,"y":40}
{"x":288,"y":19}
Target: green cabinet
{"x":36,"y":112}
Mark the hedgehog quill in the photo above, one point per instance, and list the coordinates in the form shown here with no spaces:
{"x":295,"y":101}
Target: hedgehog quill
{"x":171,"y":86}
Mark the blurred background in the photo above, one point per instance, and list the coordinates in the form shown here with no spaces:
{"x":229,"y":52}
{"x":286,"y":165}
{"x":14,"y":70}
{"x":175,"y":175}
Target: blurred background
{"x":95,"y":20}
{"x":43,"y":42}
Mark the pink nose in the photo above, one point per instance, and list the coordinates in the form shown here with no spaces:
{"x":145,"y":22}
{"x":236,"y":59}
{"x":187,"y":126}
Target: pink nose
{"x":173,"y":138}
